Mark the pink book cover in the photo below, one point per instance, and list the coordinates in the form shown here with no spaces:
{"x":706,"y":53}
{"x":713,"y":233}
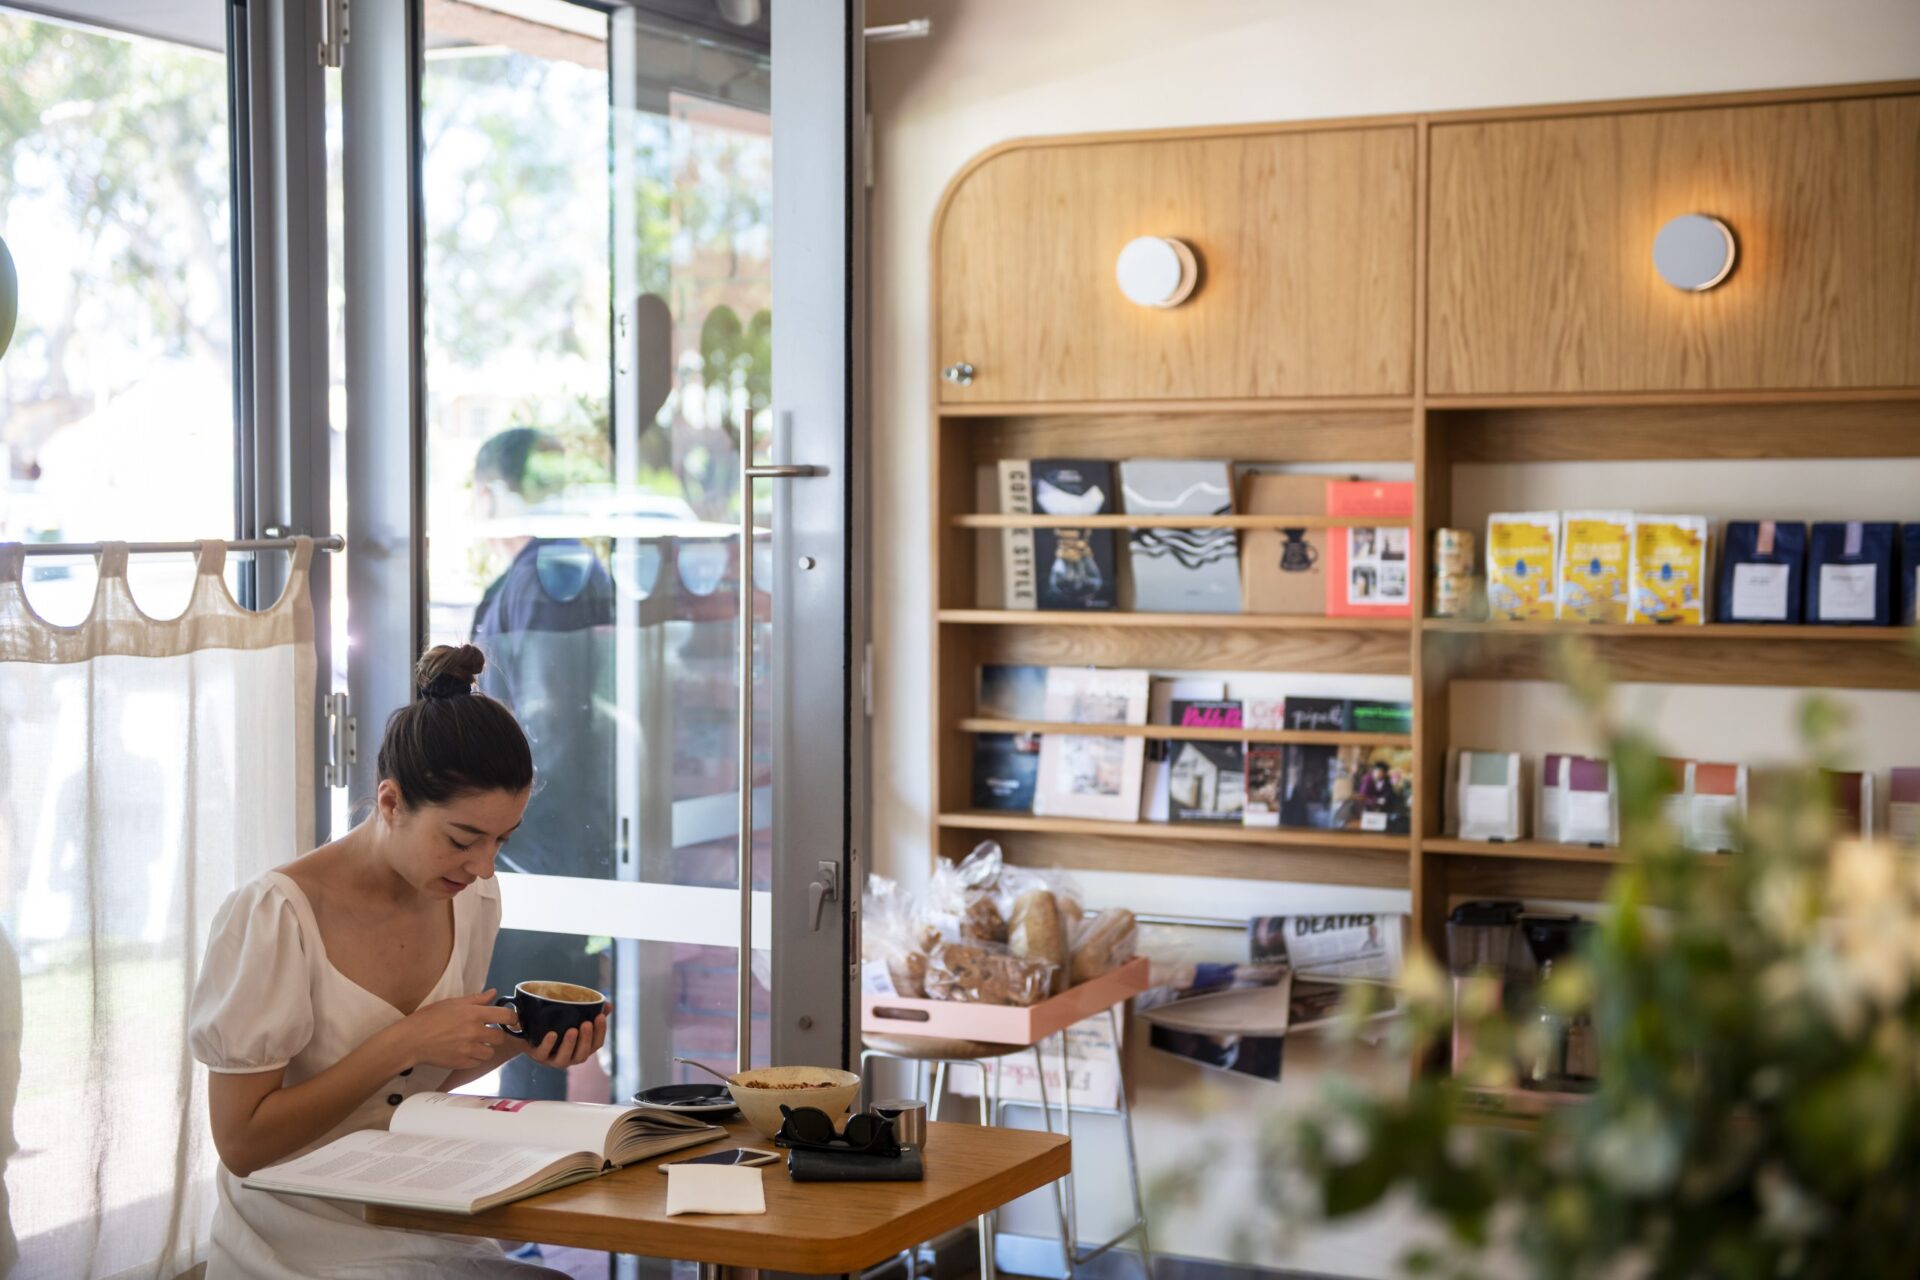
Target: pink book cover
{"x":1370,"y":570}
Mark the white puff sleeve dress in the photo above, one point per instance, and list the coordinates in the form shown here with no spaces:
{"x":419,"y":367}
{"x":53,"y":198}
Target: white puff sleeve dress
{"x":269,"y":999}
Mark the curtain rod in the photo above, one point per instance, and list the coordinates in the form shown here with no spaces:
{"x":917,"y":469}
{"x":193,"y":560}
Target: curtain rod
{"x":1190,"y":922}
{"x":327,"y":542}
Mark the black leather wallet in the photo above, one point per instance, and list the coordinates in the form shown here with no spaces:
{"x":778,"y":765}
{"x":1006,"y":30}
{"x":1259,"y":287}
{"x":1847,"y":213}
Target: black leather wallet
{"x":846,"y":1166}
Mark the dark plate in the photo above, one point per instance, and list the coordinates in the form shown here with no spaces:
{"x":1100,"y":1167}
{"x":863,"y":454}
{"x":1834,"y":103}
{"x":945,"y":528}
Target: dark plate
{"x":692,"y":1099}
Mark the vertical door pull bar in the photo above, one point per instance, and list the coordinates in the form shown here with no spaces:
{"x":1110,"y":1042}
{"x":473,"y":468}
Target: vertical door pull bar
{"x":749,"y":472}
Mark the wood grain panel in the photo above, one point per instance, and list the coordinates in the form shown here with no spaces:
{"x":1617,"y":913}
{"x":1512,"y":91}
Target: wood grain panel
{"x":1541,"y":276}
{"x":1156,"y":832}
{"x":1880,"y":429}
{"x":1371,"y":435}
{"x":1172,"y":855}
{"x":815,"y":1228}
{"x":1306,"y":248}
{"x":1213,"y":649}
{"x":1811,"y":657}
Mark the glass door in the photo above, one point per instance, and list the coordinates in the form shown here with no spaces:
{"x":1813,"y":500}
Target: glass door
{"x":619,"y":480}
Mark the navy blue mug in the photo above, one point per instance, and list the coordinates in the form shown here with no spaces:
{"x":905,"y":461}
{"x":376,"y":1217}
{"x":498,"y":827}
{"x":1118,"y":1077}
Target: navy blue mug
{"x":558,"y":1007}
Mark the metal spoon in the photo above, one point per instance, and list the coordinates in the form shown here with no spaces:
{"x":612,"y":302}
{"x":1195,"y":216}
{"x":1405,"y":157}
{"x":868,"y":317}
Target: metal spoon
{"x":724,"y":1079}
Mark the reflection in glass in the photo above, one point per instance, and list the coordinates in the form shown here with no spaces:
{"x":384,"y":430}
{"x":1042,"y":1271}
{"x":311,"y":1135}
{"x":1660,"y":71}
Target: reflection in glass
{"x":597,"y":203}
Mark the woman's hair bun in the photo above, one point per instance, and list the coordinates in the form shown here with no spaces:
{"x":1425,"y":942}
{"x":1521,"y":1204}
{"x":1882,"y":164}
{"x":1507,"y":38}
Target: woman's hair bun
{"x":452,"y":739}
{"x":447,"y":669}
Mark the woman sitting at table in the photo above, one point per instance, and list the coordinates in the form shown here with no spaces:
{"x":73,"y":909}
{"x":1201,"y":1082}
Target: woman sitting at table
{"x":351,"y":977}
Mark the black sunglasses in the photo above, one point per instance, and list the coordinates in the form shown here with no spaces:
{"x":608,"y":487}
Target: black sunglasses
{"x":812,"y":1129}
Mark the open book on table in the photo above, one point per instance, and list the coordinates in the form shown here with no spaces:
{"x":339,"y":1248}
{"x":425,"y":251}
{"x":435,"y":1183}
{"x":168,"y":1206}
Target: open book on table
{"x":462,"y":1153}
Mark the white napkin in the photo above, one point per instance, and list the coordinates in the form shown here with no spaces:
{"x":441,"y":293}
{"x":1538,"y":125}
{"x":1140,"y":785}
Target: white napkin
{"x":710,"y":1188}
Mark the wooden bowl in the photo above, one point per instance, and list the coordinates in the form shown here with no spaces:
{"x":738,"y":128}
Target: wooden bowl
{"x":764,"y":1090}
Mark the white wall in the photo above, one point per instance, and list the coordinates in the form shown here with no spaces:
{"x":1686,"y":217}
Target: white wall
{"x":997,"y":69}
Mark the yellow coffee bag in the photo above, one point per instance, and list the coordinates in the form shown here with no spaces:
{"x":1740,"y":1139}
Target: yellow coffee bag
{"x":1596,"y":559}
{"x":1520,"y":566}
{"x":1670,"y":569}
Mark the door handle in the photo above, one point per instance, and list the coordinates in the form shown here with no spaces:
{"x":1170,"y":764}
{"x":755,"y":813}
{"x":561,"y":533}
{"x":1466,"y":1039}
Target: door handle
{"x":743,"y":1010}
{"x":823,"y":890}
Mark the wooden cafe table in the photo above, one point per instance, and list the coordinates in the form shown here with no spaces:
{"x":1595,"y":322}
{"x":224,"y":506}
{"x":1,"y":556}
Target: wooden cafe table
{"x":817,"y":1228}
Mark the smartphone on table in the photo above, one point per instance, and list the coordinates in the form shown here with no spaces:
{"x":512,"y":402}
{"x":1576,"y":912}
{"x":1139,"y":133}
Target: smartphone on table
{"x":735,"y":1157}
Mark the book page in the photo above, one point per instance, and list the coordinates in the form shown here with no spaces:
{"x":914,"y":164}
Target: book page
{"x":546,"y":1125}
{"x":397,"y":1168}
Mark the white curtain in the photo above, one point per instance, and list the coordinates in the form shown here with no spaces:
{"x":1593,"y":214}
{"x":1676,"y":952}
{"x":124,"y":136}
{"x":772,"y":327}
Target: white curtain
{"x":146,"y":768}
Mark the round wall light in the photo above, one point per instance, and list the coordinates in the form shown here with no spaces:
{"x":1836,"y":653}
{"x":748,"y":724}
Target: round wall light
{"x":1156,"y":271}
{"x":1694,"y":252}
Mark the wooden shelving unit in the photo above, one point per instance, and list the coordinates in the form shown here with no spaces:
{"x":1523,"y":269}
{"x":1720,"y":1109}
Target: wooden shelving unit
{"x":1398,"y":341}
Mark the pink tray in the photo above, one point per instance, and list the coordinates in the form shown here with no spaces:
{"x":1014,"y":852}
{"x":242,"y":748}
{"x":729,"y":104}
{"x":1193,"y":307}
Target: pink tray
{"x":999,"y":1023}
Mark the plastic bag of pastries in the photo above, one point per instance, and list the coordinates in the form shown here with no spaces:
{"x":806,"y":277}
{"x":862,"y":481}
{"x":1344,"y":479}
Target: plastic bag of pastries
{"x":1104,"y":942}
{"x":1036,"y":931}
{"x":892,"y":936}
{"x":981,"y":973}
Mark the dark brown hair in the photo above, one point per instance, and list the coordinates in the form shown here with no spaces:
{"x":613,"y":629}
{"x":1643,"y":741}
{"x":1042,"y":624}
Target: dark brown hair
{"x":453,"y":740}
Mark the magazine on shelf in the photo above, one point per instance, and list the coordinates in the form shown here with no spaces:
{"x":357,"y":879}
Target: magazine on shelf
{"x":1206,"y":781}
{"x":1266,"y":762}
{"x":1370,"y":571}
{"x":1090,"y":776}
{"x":1181,"y":570}
{"x":1006,"y":766}
{"x":1074,"y":567}
{"x":1284,"y":570}
{"x":464,"y":1153}
{"x":1163,"y":693}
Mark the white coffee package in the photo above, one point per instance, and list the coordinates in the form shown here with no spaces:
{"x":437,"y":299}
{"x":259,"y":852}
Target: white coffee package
{"x":1487,"y":796}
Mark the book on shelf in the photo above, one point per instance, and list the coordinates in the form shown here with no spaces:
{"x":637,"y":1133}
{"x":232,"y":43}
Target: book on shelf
{"x":1181,"y":570}
{"x":1206,"y":781}
{"x":1284,"y":570}
{"x":1162,"y":693}
{"x":1347,"y":788}
{"x":1266,"y":762}
{"x":1075,"y":568}
{"x":1088,"y":776}
{"x":463,"y":1153}
{"x":1381,"y":794}
{"x":1006,"y":766}
{"x":1018,"y":585}
{"x":1370,"y":570}
{"x":1310,"y":779}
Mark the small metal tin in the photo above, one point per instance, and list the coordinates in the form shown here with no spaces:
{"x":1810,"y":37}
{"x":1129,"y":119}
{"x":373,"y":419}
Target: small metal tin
{"x":1453,"y":551}
{"x":909,"y":1116}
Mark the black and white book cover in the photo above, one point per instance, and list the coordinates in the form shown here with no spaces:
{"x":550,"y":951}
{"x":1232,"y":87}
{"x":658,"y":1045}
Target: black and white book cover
{"x":1207,"y":781}
{"x":1181,"y":570}
{"x":1076,"y":567}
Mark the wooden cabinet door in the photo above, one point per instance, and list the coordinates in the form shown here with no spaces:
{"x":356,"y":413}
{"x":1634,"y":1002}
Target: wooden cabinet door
{"x":1541,"y":278}
{"x":1305,"y":241}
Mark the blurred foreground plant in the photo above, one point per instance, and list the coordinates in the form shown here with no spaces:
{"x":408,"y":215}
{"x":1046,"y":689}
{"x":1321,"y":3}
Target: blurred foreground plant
{"x":1758,"y":1108}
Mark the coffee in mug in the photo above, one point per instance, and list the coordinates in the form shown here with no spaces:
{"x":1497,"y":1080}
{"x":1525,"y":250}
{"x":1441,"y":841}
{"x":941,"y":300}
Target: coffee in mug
{"x":557,"y":1007}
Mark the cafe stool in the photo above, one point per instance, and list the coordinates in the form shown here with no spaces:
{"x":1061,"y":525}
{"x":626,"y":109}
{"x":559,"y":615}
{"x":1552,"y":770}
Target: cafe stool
{"x":939,"y":1053}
